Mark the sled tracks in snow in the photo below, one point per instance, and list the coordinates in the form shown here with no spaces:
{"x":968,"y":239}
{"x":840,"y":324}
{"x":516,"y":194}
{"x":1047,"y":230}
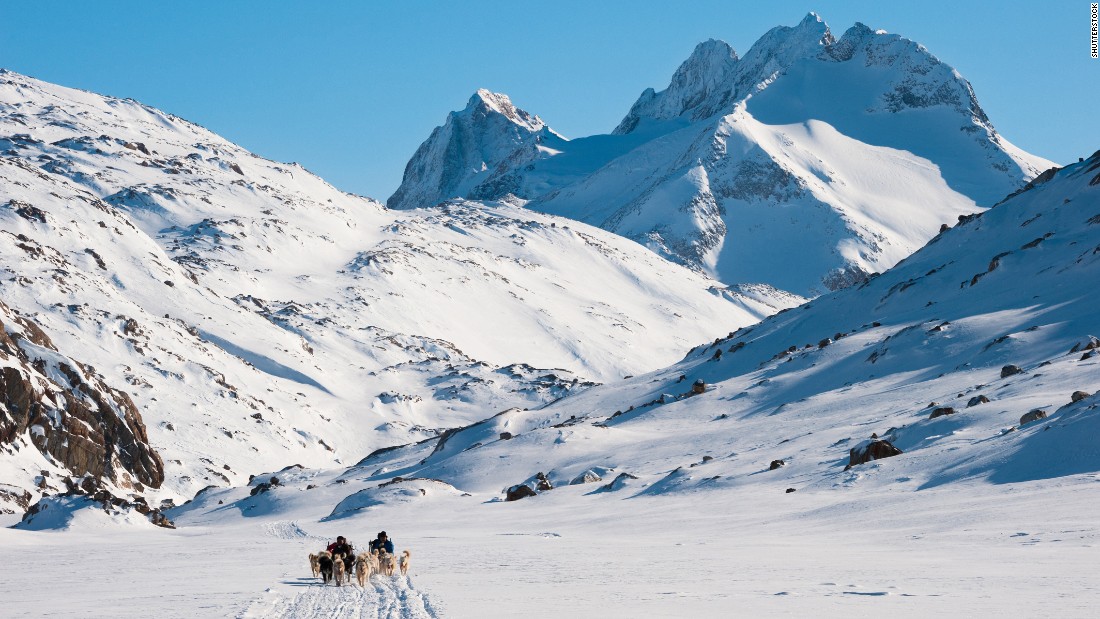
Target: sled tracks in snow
{"x":382,"y":598}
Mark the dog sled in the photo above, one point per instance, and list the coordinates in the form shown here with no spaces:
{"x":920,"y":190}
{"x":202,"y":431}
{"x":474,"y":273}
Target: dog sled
{"x":340,"y":568}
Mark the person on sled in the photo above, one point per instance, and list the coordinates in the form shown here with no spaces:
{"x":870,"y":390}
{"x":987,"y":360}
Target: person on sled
{"x":341,"y":545}
{"x":382,"y":543}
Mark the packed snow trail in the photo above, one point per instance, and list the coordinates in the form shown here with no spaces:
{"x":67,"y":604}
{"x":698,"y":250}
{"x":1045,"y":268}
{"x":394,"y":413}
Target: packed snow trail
{"x":382,"y":598}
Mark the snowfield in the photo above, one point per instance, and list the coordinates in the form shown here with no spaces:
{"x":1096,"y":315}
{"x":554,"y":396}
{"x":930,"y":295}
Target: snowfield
{"x":1023,"y":550}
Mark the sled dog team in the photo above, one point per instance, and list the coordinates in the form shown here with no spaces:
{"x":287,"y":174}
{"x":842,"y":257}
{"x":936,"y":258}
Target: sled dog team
{"x":339,"y":559}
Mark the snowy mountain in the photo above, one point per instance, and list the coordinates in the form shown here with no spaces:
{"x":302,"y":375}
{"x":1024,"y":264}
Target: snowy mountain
{"x":849,"y":152}
{"x":194,"y":336}
{"x":256,"y":316}
{"x":466,"y":156}
{"x":941,"y":414}
{"x":945,"y":356}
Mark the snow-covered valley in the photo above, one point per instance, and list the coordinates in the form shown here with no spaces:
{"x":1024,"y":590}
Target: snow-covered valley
{"x":553,"y":418}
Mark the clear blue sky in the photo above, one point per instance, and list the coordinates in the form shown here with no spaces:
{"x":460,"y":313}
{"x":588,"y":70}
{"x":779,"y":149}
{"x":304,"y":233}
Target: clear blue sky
{"x":350,"y":89}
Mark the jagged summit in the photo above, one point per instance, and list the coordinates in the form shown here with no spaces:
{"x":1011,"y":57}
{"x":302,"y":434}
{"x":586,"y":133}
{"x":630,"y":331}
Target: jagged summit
{"x":806,"y":163}
{"x":487,"y":101}
{"x":713,"y":77}
{"x":475,"y":145}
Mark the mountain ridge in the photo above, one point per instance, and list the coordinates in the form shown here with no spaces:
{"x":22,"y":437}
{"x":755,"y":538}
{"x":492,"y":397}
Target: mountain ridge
{"x":667,"y":177}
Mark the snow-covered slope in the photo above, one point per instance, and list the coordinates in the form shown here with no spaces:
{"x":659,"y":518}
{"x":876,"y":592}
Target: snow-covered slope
{"x":974,"y":359}
{"x":947,"y":356}
{"x":260,"y":316}
{"x":848,"y":153}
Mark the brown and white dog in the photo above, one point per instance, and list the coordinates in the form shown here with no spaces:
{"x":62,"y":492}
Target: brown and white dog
{"x":363,"y":568}
{"x":387,"y":563}
{"x":338,"y":571}
{"x":404,"y":562}
{"x":314,"y":565}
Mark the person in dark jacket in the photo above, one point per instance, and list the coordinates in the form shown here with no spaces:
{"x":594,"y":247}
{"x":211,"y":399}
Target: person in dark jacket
{"x":382,"y":543}
{"x":341,"y":545}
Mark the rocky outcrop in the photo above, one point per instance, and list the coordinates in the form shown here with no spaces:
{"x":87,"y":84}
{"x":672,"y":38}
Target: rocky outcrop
{"x":532,"y":487}
{"x":472,"y":153}
{"x":941,"y":411}
{"x":976,"y":400}
{"x":1033,"y":415}
{"x":519,"y":491}
{"x":1010,"y":370}
{"x":587,"y":477}
{"x":875,"y":449}
{"x":64,"y":409}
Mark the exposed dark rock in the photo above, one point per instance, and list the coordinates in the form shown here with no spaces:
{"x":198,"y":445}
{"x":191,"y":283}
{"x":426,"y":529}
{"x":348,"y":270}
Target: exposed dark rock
{"x":942,"y":411}
{"x":1009,"y":370}
{"x":1033,"y":415}
{"x":790,"y":490}
{"x":618,"y":482}
{"x":236,"y":168}
{"x":776,"y":464}
{"x":698,"y":387}
{"x":1090,"y":344}
{"x":77,"y":419}
{"x":542,"y":483}
{"x":1078,"y":396}
{"x":976,"y":400}
{"x":871,"y":450}
{"x":12,"y":496}
{"x":506,"y":436}
{"x":825,"y":342}
{"x":519,"y":491}
{"x":138,"y":146}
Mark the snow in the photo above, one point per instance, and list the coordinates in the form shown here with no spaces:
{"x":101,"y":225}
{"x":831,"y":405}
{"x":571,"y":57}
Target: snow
{"x":261,"y":317}
{"x":853,"y":151}
{"x":395,"y":369}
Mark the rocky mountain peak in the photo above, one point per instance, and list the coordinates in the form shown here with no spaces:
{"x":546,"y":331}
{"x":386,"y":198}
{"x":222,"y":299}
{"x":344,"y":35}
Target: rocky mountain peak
{"x":469,"y":149}
{"x":713,"y":77}
{"x":486,"y":101}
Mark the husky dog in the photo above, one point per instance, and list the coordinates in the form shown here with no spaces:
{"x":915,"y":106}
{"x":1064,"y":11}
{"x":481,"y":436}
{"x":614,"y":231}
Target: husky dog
{"x":363,"y":569}
{"x":338,"y":571}
{"x":404,"y":562}
{"x":314,"y":565}
{"x":325,"y":563}
{"x":387,"y":563}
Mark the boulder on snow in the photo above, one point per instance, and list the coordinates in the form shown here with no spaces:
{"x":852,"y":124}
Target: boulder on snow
{"x":519,"y":491}
{"x":587,"y":477}
{"x":1090,"y":344}
{"x":976,"y":400}
{"x":776,"y":464}
{"x":1009,"y":370}
{"x":1078,"y":396}
{"x":617,"y":483}
{"x":264,"y":486}
{"x":542,"y":483}
{"x":790,"y":490}
{"x":871,"y":450}
{"x":506,"y":436}
{"x":1033,"y":415}
{"x":699,"y":386}
{"x":940,"y":412}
